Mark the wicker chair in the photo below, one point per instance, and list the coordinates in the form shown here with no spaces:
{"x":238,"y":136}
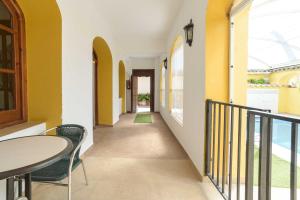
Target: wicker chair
{"x":62,"y":169}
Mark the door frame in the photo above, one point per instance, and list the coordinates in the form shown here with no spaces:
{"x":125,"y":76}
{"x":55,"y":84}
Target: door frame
{"x":95,"y":87}
{"x":145,"y":73}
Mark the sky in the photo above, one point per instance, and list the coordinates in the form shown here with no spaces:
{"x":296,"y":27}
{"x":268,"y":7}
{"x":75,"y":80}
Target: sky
{"x":274,"y":34}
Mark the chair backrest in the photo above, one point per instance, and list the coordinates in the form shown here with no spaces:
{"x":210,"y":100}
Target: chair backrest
{"x":75,"y":133}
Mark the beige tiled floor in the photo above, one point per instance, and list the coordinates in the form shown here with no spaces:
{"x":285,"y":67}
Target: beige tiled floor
{"x":133,"y":162}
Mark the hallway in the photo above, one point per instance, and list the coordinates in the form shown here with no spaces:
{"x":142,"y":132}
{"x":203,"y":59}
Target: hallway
{"x":133,"y":162}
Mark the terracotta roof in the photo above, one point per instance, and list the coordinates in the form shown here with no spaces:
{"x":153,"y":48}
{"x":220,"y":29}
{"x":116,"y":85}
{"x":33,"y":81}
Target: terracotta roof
{"x":286,"y":68}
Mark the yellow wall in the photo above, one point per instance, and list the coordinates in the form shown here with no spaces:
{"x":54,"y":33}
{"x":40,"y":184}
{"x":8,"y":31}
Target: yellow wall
{"x":105,"y":83}
{"x":257,"y":76}
{"x":217,"y":50}
{"x":217,"y":54}
{"x":122,"y":87}
{"x":289,"y":101}
{"x":43,"y":54}
{"x":217,"y":67}
{"x":241,"y":57}
{"x":240,"y":79}
{"x":283,"y":77}
{"x":288,"y":97}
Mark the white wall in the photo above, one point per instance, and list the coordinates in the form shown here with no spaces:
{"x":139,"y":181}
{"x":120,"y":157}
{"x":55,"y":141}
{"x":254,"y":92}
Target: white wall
{"x":82,"y":21}
{"x":78,"y":32}
{"x":191,"y":134}
{"x":144,"y":85}
{"x":263,"y":98}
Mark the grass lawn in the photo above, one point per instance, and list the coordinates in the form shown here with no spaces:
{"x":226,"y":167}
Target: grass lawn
{"x":280,"y":171}
{"x":143,"y":118}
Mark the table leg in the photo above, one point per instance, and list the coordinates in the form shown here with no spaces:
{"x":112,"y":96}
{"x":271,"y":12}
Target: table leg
{"x":10,"y":193}
{"x":28,"y":186}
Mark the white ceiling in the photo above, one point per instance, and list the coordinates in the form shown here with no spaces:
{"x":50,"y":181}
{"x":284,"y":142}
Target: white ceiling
{"x":140,"y":21}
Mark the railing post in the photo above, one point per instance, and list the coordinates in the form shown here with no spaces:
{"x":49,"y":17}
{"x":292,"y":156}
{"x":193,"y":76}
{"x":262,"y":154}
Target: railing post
{"x":230,"y":151}
{"x":238,"y":189}
{"x":250,"y":156}
{"x":219,"y":144}
{"x":214,"y":141}
{"x":294,"y":150}
{"x":265,"y":159}
{"x":224,"y":175}
{"x":208,"y":135}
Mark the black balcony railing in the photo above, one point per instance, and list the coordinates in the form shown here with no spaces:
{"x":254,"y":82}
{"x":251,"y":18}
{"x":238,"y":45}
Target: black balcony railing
{"x":265,"y":156}
{"x":225,"y":146}
{"x":234,"y":136}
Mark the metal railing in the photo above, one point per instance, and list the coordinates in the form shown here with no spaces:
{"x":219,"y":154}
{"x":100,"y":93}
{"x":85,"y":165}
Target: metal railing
{"x":265,"y":154}
{"x":225,"y":145}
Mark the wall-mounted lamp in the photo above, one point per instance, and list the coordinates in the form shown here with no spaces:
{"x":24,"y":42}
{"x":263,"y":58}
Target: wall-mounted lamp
{"x":189,"y":33}
{"x":166,"y":63}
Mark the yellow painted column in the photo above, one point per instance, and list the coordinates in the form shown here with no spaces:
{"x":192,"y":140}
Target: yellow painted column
{"x":217,"y":50}
{"x":43,"y":27}
{"x":122,"y":85}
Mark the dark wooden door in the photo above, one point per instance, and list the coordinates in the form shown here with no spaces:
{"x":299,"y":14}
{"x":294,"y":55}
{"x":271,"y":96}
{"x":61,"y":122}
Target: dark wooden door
{"x":134,"y":97}
{"x":142,"y":73}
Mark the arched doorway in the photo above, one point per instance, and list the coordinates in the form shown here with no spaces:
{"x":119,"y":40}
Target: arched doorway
{"x":104,"y":84}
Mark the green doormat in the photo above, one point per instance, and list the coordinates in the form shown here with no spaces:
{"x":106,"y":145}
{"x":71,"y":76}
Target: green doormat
{"x":143,"y":118}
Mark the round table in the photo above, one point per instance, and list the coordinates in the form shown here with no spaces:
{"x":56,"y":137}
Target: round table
{"x":22,"y":156}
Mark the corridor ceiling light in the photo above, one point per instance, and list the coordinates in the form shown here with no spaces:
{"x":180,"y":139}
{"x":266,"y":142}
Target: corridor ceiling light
{"x":166,"y":63}
{"x":189,"y":33}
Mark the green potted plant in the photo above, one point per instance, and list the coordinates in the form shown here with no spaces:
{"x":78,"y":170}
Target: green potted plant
{"x":144,"y":99}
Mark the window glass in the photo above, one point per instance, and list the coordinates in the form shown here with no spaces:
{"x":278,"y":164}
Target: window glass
{"x":6,"y":50}
{"x":7,"y":91}
{"x":12,"y":80}
{"x":5,"y":16}
{"x":163,"y":87}
{"x":177,"y":62}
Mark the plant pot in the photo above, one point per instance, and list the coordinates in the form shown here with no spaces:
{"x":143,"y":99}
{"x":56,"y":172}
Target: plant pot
{"x":142,"y":103}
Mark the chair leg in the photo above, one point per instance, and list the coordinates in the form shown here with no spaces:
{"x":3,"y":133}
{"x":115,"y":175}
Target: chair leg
{"x":85,"y":176}
{"x":20,"y":187}
{"x":69,"y":186}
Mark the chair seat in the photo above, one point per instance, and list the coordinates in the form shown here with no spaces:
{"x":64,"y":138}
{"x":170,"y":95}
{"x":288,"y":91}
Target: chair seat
{"x":55,"y":172}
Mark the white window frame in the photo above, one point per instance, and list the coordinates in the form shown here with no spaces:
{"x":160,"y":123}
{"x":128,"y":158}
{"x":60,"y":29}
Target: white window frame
{"x":177,"y":82}
{"x":163,"y":87}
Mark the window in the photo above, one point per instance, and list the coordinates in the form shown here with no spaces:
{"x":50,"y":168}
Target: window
{"x":176,"y":80}
{"x":12,"y":87}
{"x":163,"y":86}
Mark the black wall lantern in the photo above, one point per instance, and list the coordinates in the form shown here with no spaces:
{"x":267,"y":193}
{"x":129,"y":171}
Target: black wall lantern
{"x":166,"y":63}
{"x":189,"y":33}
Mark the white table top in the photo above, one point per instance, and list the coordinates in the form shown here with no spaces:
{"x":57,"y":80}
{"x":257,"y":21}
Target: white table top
{"x":24,"y":155}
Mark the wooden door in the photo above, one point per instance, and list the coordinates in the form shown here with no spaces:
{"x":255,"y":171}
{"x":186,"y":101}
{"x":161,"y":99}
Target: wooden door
{"x":152,"y":91}
{"x":142,"y":73}
{"x":134,"y":91}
